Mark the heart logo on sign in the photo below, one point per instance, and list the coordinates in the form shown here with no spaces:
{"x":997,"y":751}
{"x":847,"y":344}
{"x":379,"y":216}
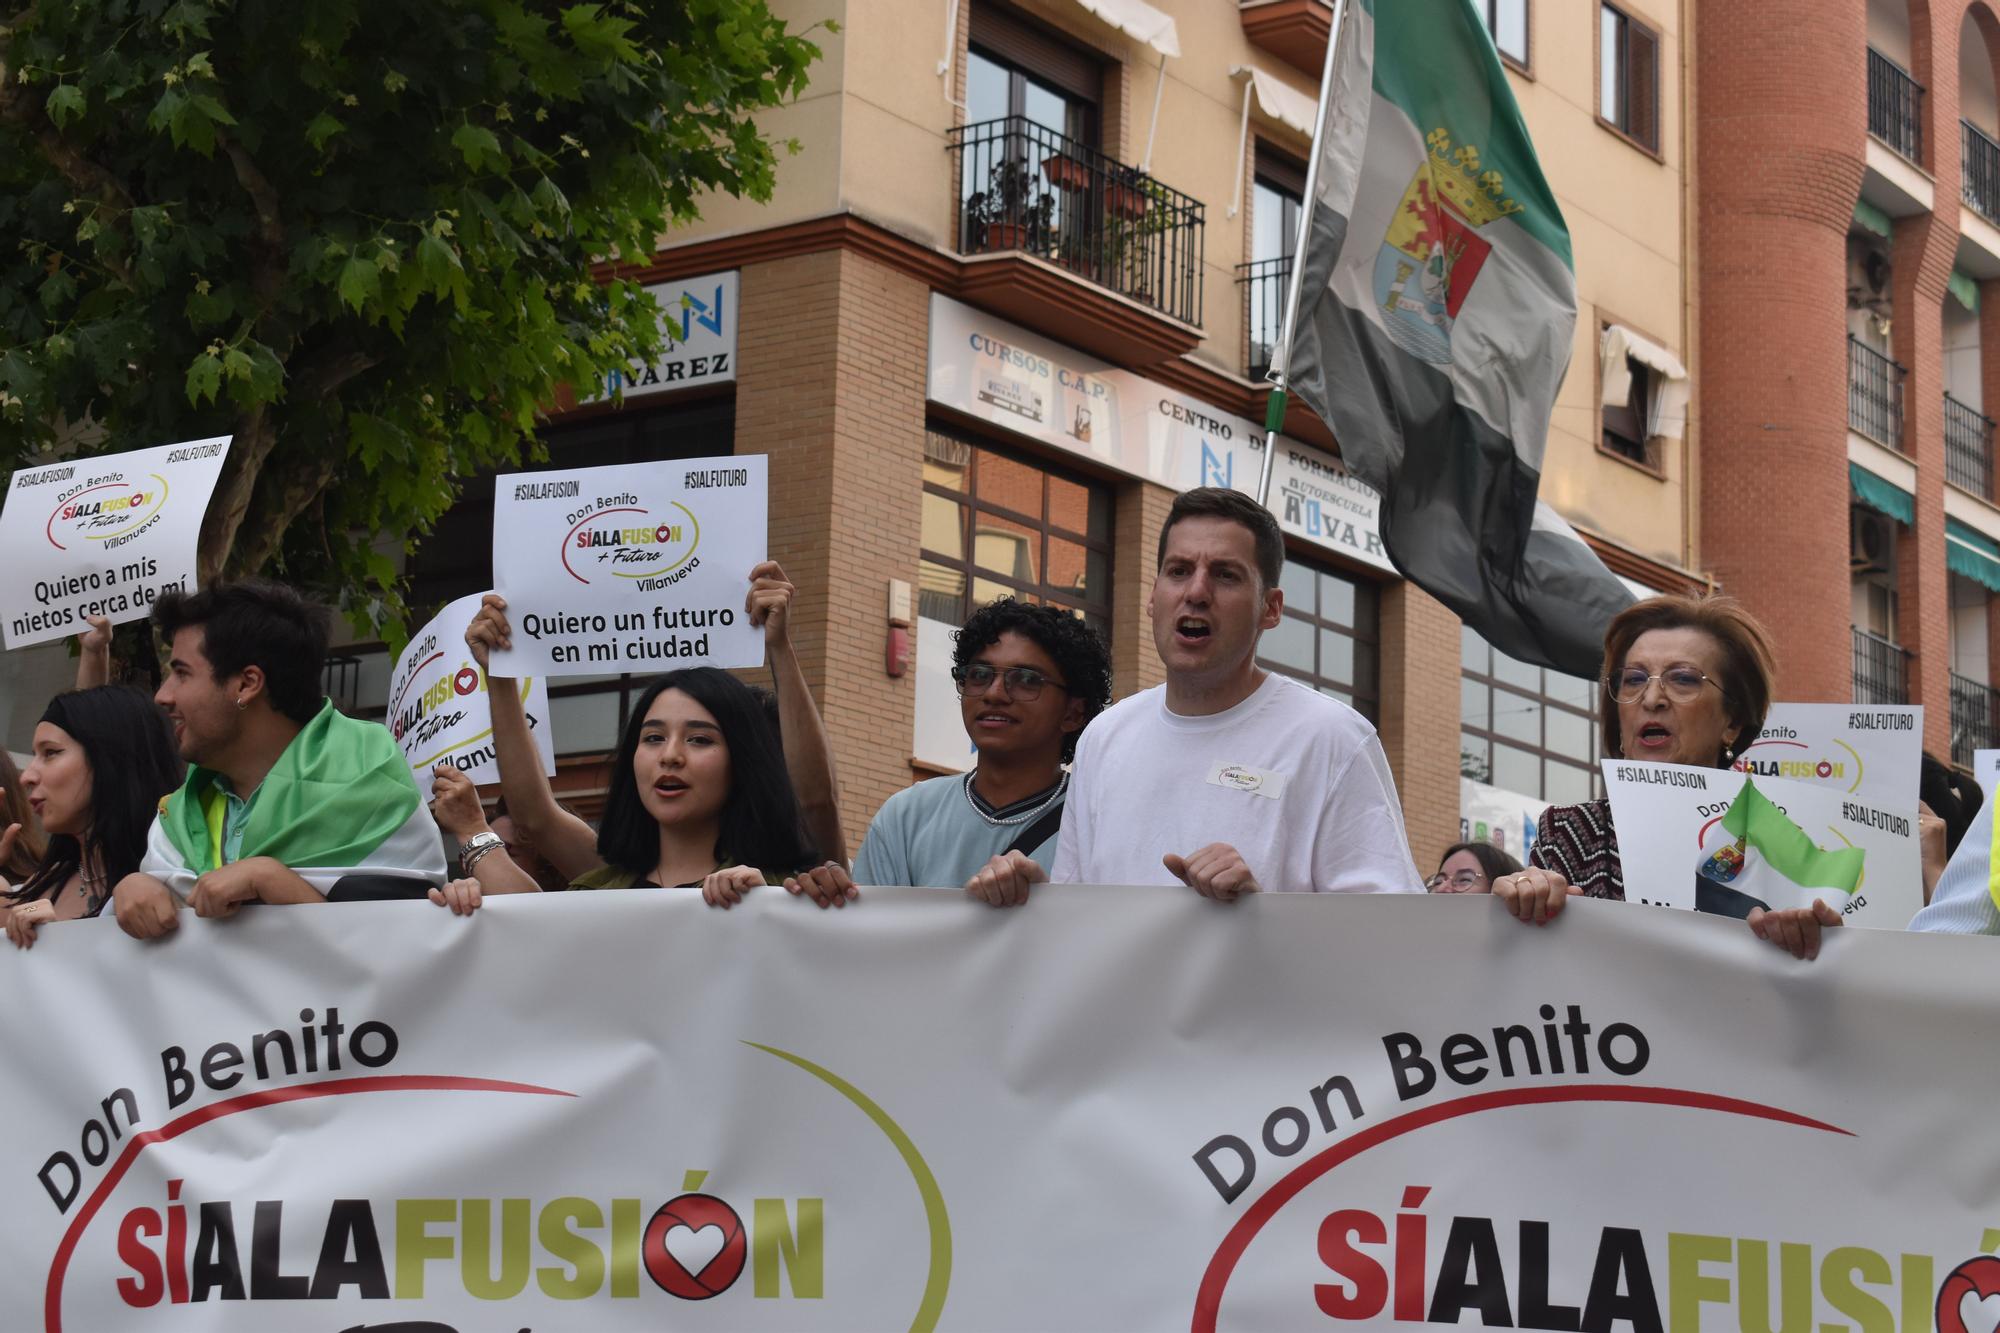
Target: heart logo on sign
{"x":1979,"y":1314}
{"x":694,"y":1249}
{"x":1969,"y":1300}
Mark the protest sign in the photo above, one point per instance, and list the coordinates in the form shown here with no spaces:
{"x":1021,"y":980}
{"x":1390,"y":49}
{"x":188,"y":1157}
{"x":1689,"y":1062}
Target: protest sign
{"x":1292,"y":1112}
{"x":438,"y":705}
{"x":1875,"y":753}
{"x":102,"y":536}
{"x":1692,"y":837}
{"x":1986,"y":771}
{"x":640,"y":567}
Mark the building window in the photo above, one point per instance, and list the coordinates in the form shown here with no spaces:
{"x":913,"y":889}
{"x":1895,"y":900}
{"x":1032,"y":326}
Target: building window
{"x":1526,"y":729}
{"x":1507,"y":20}
{"x":586,"y":712}
{"x":1628,"y":78}
{"x":1276,"y":202}
{"x":1329,"y":635}
{"x":996,"y":524}
{"x":1625,"y":426}
{"x":1016,"y":67}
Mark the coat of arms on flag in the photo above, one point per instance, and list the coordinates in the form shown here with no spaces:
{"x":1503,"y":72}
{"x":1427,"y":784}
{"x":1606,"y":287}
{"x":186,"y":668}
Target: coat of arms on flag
{"x":1433,"y":251}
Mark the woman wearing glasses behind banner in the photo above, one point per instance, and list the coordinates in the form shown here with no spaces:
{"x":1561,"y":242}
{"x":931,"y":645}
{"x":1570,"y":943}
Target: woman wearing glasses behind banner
{"x":1688,"y":679}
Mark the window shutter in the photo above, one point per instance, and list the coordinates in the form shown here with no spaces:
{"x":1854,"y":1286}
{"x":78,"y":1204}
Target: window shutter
{"x":1642,"y":89}
{"x":1006,"y":33}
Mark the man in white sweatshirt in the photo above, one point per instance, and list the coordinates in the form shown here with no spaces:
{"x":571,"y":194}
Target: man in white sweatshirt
{"x":1229,"y":779}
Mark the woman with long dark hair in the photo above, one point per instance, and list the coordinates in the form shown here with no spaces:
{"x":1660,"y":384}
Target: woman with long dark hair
{"x":21,"y":843}
{"x":699,"y":794}
{"x":103,"y":758}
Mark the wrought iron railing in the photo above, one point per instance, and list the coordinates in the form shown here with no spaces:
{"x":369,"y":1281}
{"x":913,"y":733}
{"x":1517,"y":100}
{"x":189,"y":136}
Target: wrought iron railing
{"x":1975,"y":719}
{"x":1263,"y":284}
{"x":1979,"y":180}
{"x":340,"y":677}
{"x":1879,"y":677}
{"x":1024,"y":187}
{"x":1874,"y":394}
{"x":1895,"y":106}
{"x":1968,"y":448}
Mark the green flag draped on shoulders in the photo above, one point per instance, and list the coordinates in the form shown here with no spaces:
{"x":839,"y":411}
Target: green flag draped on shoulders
{"x":339,"y":801}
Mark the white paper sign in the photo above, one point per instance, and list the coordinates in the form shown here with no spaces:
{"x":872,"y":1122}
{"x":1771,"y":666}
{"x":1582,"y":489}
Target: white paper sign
{"x":102,"y":536}
{"x":1669,"y":821}
{"x":940,"y":738}
{"x":640,"y":567}
{"x":1986,"y":770}
{"x":1856,"y":748}
{"x":698,"y":317}
{"x":1493,"y":814}
{"x":438,"y":708}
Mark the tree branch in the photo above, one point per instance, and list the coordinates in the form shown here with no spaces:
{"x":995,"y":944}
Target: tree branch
{"x":19,"y":107}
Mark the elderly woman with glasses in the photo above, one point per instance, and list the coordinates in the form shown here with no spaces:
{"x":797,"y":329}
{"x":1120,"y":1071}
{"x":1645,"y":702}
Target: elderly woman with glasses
{"x":1689,"y":680}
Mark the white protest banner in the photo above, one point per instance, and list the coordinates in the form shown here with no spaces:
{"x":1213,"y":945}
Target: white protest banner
{"x":640,"y":567}
{"x":438,"y":707}
{"x":1875,"y":753}
{"x":1113,"y":1108}
{"x":102,"y":536}
{"x":1986,"y":771}
{"x":1683,"y":831}
{"x":1504,"y":818}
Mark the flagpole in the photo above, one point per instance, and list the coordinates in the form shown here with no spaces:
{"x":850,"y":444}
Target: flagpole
{"x":1281,"y":354}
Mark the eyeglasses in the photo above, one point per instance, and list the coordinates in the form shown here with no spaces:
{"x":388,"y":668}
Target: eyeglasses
{"x":1680,"y":684}
{"x":1023,"y":683}
{"x":1460,"y":881}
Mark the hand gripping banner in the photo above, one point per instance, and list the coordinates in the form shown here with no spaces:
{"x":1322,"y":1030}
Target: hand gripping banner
{"x":1111,"y":1109}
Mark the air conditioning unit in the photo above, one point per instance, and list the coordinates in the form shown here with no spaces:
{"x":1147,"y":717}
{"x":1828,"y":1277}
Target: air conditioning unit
{"x":1871,"y":543}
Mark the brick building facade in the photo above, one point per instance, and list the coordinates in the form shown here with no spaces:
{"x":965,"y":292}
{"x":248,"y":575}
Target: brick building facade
{"x":1850,"y":186}
{"x":979,"y":173}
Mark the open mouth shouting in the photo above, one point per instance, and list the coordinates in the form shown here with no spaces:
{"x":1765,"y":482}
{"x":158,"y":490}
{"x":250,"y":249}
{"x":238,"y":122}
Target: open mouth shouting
{"x":1192,"y":630}
{"x":670,"y":789}
{"x":1654,"y":738}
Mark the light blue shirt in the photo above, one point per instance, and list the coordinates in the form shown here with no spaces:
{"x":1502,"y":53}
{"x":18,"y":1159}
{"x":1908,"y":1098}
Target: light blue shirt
{"x":930,"y":835}
{"x":235,"y":818}
{"x":1963,"y":901}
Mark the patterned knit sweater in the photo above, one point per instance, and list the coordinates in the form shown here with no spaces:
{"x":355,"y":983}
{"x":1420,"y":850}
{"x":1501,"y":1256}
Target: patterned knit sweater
{"x":1579,"y":843}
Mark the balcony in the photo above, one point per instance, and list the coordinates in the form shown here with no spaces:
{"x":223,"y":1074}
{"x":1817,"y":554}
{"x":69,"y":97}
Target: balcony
{"x":1295,"y":31}
{"x":1263,"y":284}
{"x":1028,"y":194}
{"x":1968,"y":448}
{"x":1975,"y":719}
{"x":1895,"y":106}
{"x":1879,"y":678}
{"x":1980,"y":158}
{"x":1874,"y":394}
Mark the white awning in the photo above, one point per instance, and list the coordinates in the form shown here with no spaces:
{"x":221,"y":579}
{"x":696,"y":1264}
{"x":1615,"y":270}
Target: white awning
{"x":1621,"y":346}
{"x":1293,"y":110}
{"x":1289,"y":107}
{"x":1137,"y":19}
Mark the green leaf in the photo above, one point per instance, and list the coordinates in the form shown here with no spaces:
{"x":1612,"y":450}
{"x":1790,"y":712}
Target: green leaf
{"x":321,"y":128}
{"x":477,"y":145}
{"x":65,"y":104}
{"x":204,"y":378}
{"x":360,"y":282}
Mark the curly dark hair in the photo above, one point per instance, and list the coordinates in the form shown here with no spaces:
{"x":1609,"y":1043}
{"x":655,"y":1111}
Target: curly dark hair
{"x":1077,"y":650}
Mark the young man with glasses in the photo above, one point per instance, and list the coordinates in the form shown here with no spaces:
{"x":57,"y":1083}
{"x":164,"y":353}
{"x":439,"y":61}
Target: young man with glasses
{"x":1228,"y":778}
{"x":1029,"y":679}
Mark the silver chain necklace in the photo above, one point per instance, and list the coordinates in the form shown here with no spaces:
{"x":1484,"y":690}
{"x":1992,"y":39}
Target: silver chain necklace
{"x":1023,"y":818}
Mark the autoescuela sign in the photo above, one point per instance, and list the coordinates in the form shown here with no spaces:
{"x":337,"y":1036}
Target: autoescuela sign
{"x":1033,"y":386}
{"x":698,"y":317}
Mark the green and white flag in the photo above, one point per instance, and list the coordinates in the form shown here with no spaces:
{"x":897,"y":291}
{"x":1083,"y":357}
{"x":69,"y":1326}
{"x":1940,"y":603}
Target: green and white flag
{"x":1436,"y":314}
{"x":1772,"y":862}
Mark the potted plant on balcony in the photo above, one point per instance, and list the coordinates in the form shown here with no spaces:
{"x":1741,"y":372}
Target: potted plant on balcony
{"x":1011,"y":213}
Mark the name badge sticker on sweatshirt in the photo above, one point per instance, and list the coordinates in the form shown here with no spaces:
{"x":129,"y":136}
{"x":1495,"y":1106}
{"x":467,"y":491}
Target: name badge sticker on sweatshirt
{"x":1252,"y":781}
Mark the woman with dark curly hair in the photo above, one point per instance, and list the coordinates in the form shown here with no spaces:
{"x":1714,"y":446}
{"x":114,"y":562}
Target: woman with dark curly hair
{"x":1029,"y":679}
{"x":1471,"y":867}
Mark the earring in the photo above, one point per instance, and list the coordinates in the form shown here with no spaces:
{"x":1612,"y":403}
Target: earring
{"x":1728,"y":751}
{"x":241,"y":703}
